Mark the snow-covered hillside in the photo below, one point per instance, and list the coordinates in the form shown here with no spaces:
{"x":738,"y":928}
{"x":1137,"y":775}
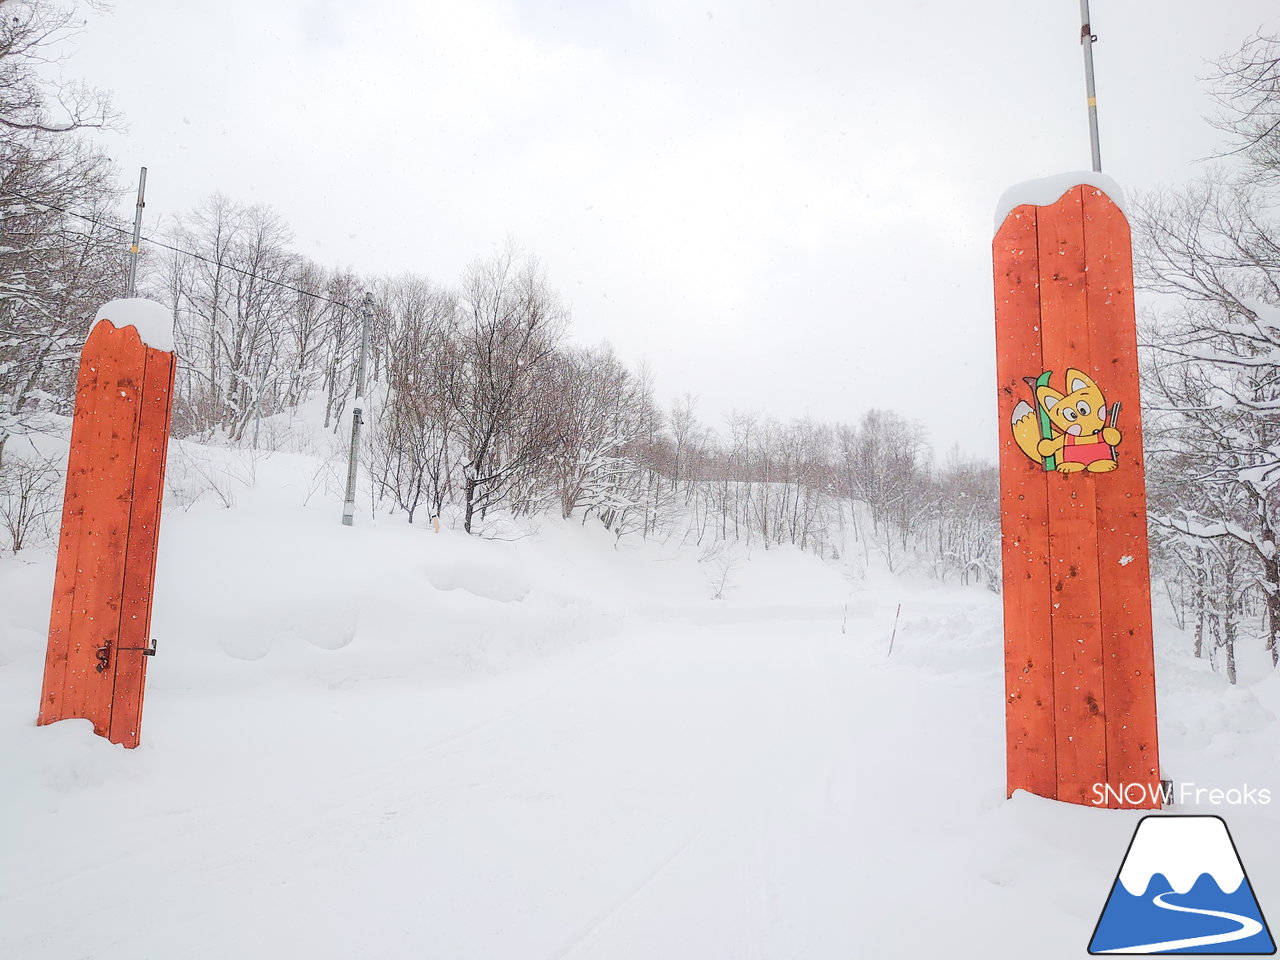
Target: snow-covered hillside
{"x":381,"y":741}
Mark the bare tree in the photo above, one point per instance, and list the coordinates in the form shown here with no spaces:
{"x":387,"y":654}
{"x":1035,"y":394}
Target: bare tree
{"x":411,"y":438}
{"x":1246,"y":89}
{"x":1214,"y":376}
{"x":55,"y":268}
{"x":308,"y":326}
{"x":510,"y":322}
{"x":233,"y":308}
{"x":1212,"y":251}
{"x":885,"y":465}
{"x":29,"y":497}
{"x":597,"y":410}
{"x":31,"y":102}
{"x":963,"y":504}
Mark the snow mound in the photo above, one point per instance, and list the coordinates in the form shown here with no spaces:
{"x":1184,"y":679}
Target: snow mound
{"x":501,"y":584}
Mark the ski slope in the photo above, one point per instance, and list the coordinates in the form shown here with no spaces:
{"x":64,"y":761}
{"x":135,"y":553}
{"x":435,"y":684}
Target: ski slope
{"x":382,"y":742}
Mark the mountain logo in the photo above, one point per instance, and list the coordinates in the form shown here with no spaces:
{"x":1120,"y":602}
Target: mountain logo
{"x":1182,"y":889}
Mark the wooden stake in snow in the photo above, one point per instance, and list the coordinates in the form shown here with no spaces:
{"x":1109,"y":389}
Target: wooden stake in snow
{"x":893,"y":636}
{"x":100,"y":625}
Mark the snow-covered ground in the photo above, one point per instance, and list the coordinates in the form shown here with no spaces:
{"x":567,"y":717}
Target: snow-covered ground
{"x":384,"y":742}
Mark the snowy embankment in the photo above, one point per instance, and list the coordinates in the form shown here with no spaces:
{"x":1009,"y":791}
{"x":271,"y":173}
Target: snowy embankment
{"x":383,"y":742}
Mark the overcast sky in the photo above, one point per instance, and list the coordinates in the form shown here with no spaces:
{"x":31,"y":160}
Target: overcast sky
{"x":782,"y":207}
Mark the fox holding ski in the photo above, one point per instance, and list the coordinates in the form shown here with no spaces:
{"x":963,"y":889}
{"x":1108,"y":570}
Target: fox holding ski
{"x":1068,"y":432}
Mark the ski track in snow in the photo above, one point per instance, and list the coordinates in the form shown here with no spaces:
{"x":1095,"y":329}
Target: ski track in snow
{"x":639,"y":889}
{"x":661,"y":778}
{"x":726,"y":745}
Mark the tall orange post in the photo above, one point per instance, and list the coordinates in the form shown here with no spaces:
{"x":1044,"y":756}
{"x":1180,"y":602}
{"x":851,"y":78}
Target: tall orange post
{"x":99,"y":627}
{"x":1080,"y":702}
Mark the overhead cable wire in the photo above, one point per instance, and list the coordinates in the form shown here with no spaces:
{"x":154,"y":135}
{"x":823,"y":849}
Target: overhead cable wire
{"x":168,"y":246}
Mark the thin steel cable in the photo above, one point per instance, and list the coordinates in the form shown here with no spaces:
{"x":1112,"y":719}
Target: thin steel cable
{"x":173,"y":249}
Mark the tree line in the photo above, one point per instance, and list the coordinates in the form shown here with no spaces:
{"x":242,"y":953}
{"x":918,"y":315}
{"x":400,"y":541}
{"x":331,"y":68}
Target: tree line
{"x":1209,"y":254}
{"x":479,"y":403}
{"x":482,"y":404}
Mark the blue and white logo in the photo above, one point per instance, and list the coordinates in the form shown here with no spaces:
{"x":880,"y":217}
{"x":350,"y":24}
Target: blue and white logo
{"x":1182,"y":889}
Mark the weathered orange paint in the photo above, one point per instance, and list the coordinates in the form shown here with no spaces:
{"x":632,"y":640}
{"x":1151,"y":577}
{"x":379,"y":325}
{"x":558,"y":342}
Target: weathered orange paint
{"x":1029,"y":717}
{"x":110,"y":525}
{"x":1079,"y":680}
{"x":1128,"y":666}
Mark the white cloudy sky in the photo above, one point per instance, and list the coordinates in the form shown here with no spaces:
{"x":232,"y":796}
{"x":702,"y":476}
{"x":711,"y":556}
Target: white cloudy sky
{"x":783,"y":207}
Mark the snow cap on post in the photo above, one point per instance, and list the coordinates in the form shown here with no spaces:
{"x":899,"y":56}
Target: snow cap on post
{"x":1049,"y":190}
{"x":153,"y":321}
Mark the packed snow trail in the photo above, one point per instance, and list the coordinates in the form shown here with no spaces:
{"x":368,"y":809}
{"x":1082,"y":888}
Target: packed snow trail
{"x":717,"y":792}
{"x":415,"y":746}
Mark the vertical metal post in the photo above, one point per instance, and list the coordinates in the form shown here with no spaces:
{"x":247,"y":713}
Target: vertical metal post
{"x":1087,"y":39}
{"x":357,"y":413}
{"x":137,"y":234}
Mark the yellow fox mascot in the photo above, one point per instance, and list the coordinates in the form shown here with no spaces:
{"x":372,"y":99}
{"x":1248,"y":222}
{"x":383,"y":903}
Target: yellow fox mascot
{"x":1082,"y":439}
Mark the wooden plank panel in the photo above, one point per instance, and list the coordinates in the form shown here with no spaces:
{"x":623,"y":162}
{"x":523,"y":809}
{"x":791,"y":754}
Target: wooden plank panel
{"x":69,"y":541}
{"x":1079,"y":700}
{"x":1029,"y":714}
{"x":144,"y":530}
{"x":1125,"y":586}
{"x":101,"y":466}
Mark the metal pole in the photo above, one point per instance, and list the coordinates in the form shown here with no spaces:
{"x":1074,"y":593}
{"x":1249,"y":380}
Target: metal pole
{"x":1087,"y":39}
{"x":137,"y":233}
{"x":357,"y":414}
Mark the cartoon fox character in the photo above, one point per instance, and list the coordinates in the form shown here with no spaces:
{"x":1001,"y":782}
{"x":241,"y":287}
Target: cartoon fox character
{"x":1085,"y":442}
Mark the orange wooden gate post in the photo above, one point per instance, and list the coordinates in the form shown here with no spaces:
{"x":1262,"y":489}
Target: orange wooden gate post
{"x":1080,"y":705}
{"x":99,"y":628}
